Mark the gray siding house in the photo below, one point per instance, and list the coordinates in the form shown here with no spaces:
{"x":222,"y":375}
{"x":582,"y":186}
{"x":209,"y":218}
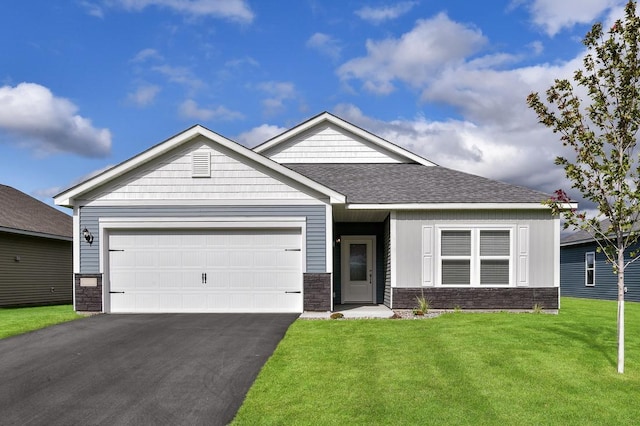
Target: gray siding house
{"x":325,"y":213}
{"x":586,"y":273}
{"x":36,"y":264}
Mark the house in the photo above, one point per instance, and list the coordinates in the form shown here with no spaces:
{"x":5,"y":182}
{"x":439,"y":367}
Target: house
{"x":325,"y":213}
{"x":586,"y":273}
{"x":35,"y":251}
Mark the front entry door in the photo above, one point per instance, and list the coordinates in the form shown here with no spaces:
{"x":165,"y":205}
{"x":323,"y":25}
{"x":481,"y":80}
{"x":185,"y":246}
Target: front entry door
{"x":358,"y":271}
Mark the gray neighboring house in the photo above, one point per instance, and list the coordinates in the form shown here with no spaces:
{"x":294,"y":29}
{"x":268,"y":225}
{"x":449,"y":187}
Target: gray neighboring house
{"x":586,"y":273}
{"x":325,"y":213}
{"x":36,"y":246}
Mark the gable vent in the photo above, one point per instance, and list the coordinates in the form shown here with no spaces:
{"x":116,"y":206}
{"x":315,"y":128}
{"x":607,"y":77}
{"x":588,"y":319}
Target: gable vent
{"x":201,"y":164}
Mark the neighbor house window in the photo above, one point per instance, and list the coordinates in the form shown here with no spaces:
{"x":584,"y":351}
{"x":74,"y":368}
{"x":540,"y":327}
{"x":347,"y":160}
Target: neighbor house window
{"x":475,"y":257}
{"x":590,"y":268}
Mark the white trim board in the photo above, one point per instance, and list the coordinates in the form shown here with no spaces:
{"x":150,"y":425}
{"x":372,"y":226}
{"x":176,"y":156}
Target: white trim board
{"x":449,"y":206}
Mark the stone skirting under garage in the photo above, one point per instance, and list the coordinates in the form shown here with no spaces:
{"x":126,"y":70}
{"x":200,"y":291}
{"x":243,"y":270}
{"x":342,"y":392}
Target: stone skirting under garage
{"x":317,"y":292}
{"x":477,"y":298}
{"x":88,"y":292}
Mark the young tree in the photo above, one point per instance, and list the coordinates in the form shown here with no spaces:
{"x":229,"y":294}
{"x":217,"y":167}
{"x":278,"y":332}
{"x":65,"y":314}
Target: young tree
{"x":599,"y":119}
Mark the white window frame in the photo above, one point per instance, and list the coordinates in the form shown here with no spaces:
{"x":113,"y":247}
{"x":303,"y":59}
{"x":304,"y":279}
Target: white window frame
{"x":475,"y":257}
{"x":469,"y":257}
{"x":587,"y":269}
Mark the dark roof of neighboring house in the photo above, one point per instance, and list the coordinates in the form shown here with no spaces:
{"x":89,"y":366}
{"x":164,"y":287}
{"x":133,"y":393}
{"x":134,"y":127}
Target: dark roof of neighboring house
{"x":397,"y":183}
{"x":24,"y":214}
{"x":580,"y":237}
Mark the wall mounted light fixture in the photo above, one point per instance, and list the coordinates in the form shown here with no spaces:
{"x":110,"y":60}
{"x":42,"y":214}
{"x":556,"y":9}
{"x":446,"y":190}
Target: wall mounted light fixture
{"x":87,"y":236}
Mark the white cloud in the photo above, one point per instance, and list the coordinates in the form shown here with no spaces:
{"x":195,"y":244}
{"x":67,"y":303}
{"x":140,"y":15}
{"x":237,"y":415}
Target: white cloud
{"x":233,"y":10}
{"x":376,"y":15}
{"x":553,"y":16}
{"x":49,"y":124}
{"x":144,"y":95}
{"x":279,"y":91}
{"x":189,"y":109}
{"x":240,"y":62}
{"x":92,"y":9}
{"x":180,"y":75}
{"x":536,"y":47}
{"x":325,"y":44}
{"x":522,"y":157}
{"x":259,"y":134}
{"x":146,"y":54}
{"x":431,"y":46}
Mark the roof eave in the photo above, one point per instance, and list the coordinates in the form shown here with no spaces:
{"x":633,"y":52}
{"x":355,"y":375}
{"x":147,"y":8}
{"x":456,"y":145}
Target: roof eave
{"x":447,"y":206}
{"x":35,"y":234}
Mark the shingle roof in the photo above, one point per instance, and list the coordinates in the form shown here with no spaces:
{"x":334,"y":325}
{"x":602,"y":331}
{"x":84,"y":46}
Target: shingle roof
{"x":413,"y":183}
{"x":20,"y":212}
{"x":582,"y":236}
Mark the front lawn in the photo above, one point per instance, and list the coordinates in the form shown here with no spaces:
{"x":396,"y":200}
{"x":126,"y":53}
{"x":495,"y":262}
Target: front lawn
{"x":21,"y":320}
{"x":459,"y":368}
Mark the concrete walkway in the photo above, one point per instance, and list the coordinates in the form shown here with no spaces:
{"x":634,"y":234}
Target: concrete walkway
{"x":352,"y":311}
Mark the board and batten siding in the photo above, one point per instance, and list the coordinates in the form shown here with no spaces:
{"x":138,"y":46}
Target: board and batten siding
{"x":170,"y":177}
{"x":536,"y":254}
{"x":315,"y":224}
{"x":35,"y":270}
{"x":330,"y":144}
{"x":572,"y":274}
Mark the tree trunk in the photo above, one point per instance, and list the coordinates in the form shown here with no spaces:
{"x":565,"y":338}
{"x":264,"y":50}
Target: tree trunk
{"x":620,"y":310}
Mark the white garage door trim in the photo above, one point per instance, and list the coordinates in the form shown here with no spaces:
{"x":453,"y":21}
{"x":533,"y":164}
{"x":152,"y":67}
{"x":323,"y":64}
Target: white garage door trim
{"x":107,"y":225}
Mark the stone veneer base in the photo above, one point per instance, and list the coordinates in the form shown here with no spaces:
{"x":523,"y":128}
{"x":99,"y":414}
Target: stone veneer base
{"x":317,"y":291}
{"x":477,"y":298}
{"x":88,"y":299}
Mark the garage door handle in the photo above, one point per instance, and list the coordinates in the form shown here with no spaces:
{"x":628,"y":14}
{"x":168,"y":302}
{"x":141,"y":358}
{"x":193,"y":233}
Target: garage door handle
{"x":291,"y":249}
{"x":296,"y":292}
{"x":116,"y":292}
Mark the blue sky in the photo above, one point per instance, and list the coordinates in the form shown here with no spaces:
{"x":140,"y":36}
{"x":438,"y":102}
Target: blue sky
{"x":86,"y":84}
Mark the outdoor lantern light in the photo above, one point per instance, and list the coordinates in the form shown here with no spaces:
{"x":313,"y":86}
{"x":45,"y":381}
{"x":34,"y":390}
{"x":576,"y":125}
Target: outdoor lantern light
{"x":87,"y":236}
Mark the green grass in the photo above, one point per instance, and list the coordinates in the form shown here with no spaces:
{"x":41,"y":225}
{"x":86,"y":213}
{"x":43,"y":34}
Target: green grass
{"x":15,"y":321}
{"x":459,"y":368}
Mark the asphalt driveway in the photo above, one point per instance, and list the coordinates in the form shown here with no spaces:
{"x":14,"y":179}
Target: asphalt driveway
{"x":166,"y":369}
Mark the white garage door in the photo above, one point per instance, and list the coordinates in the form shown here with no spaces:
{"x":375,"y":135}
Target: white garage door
{"x":205,"y":271}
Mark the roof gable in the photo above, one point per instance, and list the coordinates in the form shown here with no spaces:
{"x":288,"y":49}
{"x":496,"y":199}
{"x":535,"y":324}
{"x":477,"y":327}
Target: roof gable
{"x":326,"y":138}
{"x":229,"y":177}
{"x":112,"y":176}
{"x":23,"y":214}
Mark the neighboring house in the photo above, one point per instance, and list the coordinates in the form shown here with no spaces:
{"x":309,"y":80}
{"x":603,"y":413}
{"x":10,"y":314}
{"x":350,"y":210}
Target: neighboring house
{"x":325,"y":213}
{"x":36,"y":263}
{"x":586,"y":273}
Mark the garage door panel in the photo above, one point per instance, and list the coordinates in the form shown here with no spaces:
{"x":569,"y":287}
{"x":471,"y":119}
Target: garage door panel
{"x":246,"y":270}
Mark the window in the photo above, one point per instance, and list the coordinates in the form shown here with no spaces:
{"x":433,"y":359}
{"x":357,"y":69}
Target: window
{"x":475,"y":257}
{"x":495,"y":252}
{"x":590,"y":268}
{"x":456,"y":257}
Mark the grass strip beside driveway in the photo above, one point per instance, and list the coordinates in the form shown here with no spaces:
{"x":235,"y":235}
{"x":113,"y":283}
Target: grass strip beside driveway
{"x":459,"y":368}
{"x":15,"y":321}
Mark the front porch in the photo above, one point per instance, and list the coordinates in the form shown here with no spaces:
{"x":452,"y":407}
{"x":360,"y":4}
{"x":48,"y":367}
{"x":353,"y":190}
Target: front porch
{"x":360,"y":262}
